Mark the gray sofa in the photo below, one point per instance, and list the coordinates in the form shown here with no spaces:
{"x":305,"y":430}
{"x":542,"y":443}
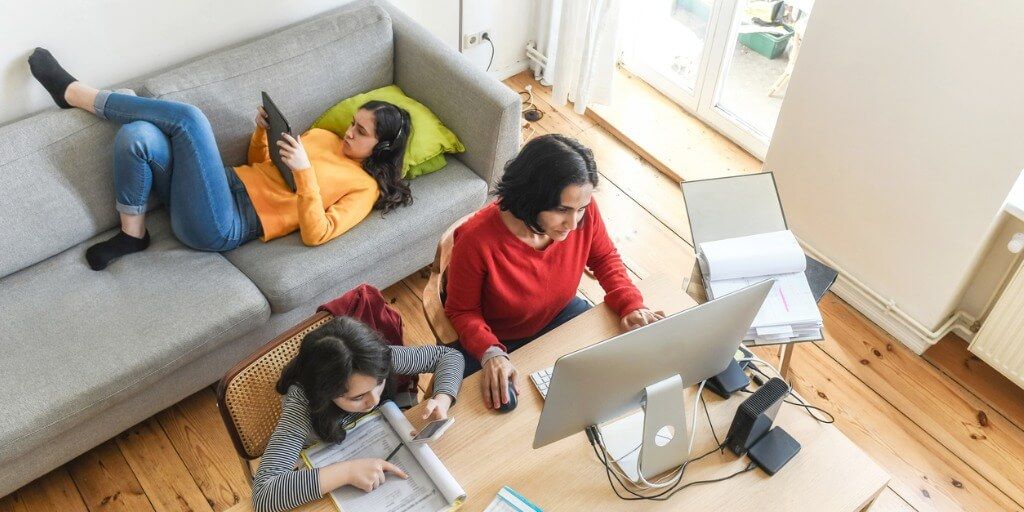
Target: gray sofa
{"x":88,"y":354}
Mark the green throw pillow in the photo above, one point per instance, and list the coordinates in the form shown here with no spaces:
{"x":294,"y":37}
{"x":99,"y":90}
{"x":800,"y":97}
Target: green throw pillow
{"x":429,"y":141}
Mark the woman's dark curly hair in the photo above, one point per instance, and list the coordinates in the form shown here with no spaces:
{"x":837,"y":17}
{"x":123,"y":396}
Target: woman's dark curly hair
{"x":327,"y":357}
{"x":534,"y":179}
{"x":393,"y":127}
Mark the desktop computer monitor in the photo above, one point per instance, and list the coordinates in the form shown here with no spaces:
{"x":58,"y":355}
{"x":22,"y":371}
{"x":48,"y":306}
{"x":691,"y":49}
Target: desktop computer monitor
{"x":604,"y":381}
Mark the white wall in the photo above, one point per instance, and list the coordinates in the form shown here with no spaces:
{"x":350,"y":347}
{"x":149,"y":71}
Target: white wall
{"x":510,"y":24}
{"x":106,"y":42}
{"x":995,"y":264}
{"x":899,"y":139}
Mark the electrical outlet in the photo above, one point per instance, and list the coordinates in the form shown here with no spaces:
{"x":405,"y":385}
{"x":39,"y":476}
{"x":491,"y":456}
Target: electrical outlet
{"x":471,"y":40}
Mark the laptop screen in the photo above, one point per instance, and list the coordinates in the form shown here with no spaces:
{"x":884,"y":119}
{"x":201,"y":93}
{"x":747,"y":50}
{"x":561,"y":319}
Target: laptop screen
{"x":720,"y":208}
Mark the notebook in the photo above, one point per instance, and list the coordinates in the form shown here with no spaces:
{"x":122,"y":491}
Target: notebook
{"x":430,"y":486}
{"x":790,"y":312}
{"x":508,"y":500}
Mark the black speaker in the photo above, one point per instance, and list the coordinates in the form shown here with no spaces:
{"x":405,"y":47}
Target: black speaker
{"x":755,"y":415}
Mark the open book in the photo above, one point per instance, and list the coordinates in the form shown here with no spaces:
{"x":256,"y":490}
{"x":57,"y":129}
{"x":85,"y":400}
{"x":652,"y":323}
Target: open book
{"x":789,"y":313}
{"x":430,"y":487}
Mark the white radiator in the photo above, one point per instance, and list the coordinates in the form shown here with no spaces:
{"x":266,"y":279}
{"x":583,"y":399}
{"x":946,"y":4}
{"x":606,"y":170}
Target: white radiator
{"x":1000,"y":341}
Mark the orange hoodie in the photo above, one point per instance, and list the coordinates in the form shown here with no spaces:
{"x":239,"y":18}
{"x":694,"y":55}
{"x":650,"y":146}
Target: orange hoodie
{"x":331,"y":197}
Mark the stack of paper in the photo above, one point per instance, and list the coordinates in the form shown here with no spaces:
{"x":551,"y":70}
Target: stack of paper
{"x":789,"y":313}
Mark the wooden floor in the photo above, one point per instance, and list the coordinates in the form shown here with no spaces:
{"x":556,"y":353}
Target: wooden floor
{"x":946,"y":426}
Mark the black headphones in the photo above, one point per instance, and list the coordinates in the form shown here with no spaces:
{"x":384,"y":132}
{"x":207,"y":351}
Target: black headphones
{"x":384,"y":146}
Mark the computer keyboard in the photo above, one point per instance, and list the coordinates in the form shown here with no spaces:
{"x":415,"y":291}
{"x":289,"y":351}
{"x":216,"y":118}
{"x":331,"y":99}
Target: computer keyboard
{"x":542,"y":379}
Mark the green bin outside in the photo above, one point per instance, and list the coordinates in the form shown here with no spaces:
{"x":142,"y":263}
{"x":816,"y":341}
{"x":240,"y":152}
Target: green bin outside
{"x":769,"y":45}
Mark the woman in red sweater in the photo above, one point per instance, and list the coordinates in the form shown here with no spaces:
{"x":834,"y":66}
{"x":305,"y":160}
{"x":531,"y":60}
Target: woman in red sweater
{"x":516,"y":264}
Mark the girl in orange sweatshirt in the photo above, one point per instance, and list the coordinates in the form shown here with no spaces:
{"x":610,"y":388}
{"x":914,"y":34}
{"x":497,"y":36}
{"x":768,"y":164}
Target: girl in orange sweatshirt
{"x":169,"y":148}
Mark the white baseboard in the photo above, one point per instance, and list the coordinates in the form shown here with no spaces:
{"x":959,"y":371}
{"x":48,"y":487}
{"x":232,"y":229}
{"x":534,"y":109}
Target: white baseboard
{"x":890,"y":323}
{"x":511,"y":70}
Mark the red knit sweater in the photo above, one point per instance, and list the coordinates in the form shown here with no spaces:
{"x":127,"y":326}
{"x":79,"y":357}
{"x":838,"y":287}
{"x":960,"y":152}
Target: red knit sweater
{"x":500,"y":288}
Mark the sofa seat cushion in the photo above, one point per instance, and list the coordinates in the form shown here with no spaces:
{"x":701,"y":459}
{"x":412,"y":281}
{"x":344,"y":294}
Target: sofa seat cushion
{"x":291,"y":274}
{"x":75,"y":341}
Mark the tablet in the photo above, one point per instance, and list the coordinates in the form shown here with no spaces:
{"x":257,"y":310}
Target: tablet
{"x":278,"y":125}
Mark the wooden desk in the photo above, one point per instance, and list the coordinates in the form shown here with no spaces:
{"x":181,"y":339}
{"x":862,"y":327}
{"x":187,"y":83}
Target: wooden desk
{"x":485,"y":449}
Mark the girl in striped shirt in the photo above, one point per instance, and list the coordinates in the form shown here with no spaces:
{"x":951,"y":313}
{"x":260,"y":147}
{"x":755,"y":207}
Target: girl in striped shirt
{"x":342,"y":371}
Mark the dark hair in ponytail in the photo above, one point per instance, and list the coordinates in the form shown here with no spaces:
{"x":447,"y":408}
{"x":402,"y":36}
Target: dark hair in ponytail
{"x":393,"y":127}
{"x":327,"y":357}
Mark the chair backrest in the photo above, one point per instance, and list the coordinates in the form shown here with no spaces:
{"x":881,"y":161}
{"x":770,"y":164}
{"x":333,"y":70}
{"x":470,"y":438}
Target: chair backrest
{"x":246,"y":396}
{"x":433,"y":304}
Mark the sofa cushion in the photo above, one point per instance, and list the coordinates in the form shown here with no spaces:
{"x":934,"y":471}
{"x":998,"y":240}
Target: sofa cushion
{"x":305,"y":68}
{"x":75,"y":341}
{"x":290,"y":274}
{"x":56,"y":185}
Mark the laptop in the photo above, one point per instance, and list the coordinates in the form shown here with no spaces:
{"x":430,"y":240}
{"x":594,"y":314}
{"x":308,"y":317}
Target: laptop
{"x":735,"y":206}
{"x":278,"y":126}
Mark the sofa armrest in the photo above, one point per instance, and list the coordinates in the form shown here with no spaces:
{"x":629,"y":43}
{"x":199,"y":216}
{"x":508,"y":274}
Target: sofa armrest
{"x":482,"y":111}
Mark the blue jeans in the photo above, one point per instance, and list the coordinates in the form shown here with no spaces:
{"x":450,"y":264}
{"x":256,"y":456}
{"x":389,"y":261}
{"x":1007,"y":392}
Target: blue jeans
{"x":168,"y":148}
{"x":570,"y":311}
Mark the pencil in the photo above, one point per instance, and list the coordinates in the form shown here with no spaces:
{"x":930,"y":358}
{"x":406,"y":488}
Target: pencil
{"x":393,"y":452}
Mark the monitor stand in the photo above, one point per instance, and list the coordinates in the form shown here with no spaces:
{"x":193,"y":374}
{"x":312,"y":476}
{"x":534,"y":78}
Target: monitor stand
{"x":663,"y":406}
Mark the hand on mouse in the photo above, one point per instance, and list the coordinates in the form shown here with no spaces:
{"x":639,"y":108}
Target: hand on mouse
{"x":639,"y":318}
{"x":494,"y":382}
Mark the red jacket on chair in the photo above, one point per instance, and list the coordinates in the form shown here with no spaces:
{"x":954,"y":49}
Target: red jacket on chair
{"x":366,"y":304}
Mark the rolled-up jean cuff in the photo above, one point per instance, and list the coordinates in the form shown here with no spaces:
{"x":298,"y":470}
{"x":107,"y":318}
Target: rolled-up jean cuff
{"x":101,"y":102}
{"x":128,"y":209}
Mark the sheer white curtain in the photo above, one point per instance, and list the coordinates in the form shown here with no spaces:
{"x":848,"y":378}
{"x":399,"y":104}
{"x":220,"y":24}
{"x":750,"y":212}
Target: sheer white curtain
{"x":579,"y":39}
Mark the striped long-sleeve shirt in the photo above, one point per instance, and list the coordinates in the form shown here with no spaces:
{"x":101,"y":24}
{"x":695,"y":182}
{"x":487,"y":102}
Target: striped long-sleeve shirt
{"x":277,"y":485}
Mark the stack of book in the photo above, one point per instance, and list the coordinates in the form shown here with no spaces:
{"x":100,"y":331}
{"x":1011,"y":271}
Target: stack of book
{"x":790,"y":312}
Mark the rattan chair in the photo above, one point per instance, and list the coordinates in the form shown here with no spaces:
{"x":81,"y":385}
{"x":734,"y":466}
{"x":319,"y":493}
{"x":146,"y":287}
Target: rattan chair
{"x":248,"y":402}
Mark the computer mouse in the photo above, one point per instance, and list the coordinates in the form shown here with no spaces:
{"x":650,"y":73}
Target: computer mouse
{"x":512,"y":401}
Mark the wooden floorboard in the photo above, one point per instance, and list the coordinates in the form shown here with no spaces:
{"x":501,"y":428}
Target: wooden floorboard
{"x":107,"y":482}
{"x":417,"y":282}
{"x":889,"y":501}
{"x":415,"y":328}
{"x":675,"y":142}
{"x":51,"y":492}
{"x":982,"y":438}
{"x":655,"y":192}
{"x":572,"y":122}
{"x":951,"y":357}
{"x":925,"y":473}
{"x":195,"y":429}
{"x":160,"y":470}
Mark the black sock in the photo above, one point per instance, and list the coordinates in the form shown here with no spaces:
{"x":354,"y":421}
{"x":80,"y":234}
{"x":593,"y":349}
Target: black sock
{"x":103,"y":253}
{"x":49,"y":73}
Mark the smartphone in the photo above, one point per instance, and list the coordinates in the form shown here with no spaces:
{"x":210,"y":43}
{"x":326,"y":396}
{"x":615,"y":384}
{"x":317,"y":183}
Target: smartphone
{"x":432,"y":431}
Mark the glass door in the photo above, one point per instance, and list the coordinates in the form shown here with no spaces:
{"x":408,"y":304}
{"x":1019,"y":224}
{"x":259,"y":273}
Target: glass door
{"x":668,"y":45}
{"x":726,"y":61}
